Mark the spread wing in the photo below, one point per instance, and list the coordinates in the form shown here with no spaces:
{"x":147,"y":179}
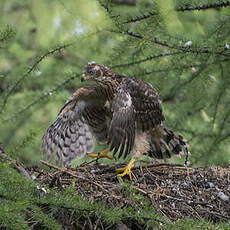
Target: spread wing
{"x":136,"y":106}
{"x":82,"y":118}
{"x":122,"y":128}
{"x":146,"y":102}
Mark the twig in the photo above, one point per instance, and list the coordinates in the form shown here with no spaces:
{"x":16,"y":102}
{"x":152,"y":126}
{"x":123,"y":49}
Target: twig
{"x":30,"y":69}
{"x":145,"y":59}
{"x":45,"y":95}
{"x":181,"y":48}
{"x":204,"y":6}
{"x":22,"y":170}
{"x":180,"y":9}
{"x":66,"y":170}
{"x":16,"y":164}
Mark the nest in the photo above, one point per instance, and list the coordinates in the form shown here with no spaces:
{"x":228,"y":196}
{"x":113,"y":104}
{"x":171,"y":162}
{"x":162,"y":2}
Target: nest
{"x":175,"y":191}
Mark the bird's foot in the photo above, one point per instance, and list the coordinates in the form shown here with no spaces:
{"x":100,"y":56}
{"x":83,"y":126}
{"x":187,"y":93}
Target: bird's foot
{"x":103,"y":154}
{"x":126,"y":170}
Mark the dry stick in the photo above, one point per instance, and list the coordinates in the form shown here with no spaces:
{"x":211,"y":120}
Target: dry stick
{"x":16,"y":164}
{"x":177,"y":166}
{"x":65,"y":170}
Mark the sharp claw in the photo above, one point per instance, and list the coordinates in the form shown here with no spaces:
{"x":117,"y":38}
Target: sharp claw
{"x":126,"y":170}
{"x":93,"y":155}
{"x":103,"y":154}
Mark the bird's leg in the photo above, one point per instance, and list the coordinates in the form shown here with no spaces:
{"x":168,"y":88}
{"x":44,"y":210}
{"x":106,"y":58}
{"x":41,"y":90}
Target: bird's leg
{"x":127,"y":170}
{"x":103,"y":154}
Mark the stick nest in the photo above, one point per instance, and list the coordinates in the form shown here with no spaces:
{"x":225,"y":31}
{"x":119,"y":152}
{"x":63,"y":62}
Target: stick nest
{"x":175,"y":191}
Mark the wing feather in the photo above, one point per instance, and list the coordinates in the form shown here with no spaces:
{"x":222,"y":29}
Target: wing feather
{"x":146,"y":102}
{"x":122,"y":128}
{"x":72,"y":133}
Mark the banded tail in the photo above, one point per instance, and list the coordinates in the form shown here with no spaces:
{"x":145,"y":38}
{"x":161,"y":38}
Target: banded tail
{"x":164,"y":141}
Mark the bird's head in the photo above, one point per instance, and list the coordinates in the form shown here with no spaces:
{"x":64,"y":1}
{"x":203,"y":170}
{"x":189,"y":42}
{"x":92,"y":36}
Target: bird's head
{"x":97,"y":72}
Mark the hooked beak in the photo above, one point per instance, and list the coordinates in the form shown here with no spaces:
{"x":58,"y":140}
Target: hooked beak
{"x":84,"y":77}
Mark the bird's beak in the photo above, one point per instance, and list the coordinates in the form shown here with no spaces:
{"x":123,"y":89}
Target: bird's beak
{"x":85,"y":77}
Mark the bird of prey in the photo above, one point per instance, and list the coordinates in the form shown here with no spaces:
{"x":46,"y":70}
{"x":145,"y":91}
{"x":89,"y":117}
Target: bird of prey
{"x":123,"y":112}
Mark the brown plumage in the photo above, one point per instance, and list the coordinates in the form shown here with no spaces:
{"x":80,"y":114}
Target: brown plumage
{"x":123,"y":112}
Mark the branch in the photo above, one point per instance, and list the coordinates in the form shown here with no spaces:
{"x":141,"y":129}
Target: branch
{"x":140,"y":18}
{"x":180,"y":9}
{"x":145,"y":59}
{"x":16,"y":164}
{"x":7,"y":34}
{"x":204,"y":6}
{"x":45,"y":95}
{"x":30,"y":69}
{"x":184,"y":49}
{"x":169,"y":69}
{"x":125,"y":2}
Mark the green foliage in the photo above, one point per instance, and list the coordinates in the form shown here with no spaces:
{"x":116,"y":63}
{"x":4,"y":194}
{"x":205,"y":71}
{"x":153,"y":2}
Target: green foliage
{"x":181,"y":47}
{"x":27,"y":205}
{"x":6,"y":34}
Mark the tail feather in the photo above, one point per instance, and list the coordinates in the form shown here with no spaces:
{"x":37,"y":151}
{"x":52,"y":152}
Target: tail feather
{"x":163,"y":142}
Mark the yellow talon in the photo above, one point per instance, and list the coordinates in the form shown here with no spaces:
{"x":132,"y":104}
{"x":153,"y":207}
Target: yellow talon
{"x":127,"y":169}
{"x":103,"y":154}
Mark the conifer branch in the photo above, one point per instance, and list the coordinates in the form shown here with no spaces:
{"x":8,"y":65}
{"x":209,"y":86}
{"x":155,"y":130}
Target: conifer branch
{"x":184,"y":49}
{"x":30,"y":69}
{"x":104,"y":6}
{"x":204,"y":6}
{"x":146,"y":59}
{"x":140,"y":18}
{"x":43,"y":96}
{"x":6,"y":34}
{"x":169,"y":69}
{"x":15,"y":163}
{"x":180,"y":9}
{"x":125,"y":2}
{"x":108,"y":10}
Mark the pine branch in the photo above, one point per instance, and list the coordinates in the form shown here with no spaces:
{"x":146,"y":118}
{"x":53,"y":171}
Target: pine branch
{"x":30,"y":69}
{"x":7,"y":34}
{"x":141,"y":17}
{"x":184,"y":49}
{"x":204,"y":6}
{"x":43,"y":96}
{"x":145,"y":59}
{"x":180,"y":9}
{"x":15,"y":163}
{"x":169,"y":69}
{"x":125,"y":2}
{"x":108,"y":10}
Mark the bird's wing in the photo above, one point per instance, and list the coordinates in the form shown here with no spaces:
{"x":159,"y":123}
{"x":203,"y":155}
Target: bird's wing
{"x":122,"y":128}
{"x":82,"y":118}
{"x":146,"y":103}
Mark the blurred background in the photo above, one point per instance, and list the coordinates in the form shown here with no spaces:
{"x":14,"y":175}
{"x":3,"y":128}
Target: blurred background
{"x":180,"y":47}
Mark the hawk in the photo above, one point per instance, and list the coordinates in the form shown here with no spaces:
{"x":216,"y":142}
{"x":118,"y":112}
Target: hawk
{"x":123,"y":112}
